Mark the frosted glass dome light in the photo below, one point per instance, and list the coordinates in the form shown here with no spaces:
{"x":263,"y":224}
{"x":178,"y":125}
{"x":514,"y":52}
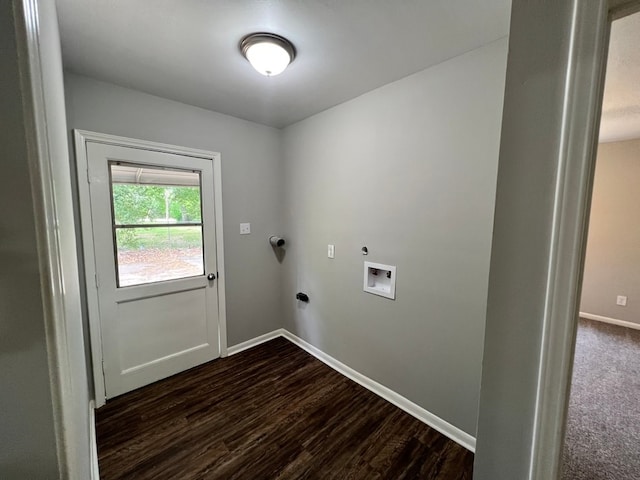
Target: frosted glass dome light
{"x":268,"y":53}
{"x":268,"y":58}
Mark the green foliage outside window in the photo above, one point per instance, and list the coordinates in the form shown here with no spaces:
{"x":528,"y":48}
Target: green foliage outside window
{"x":136,"y":204}
{"x":148,"y":204}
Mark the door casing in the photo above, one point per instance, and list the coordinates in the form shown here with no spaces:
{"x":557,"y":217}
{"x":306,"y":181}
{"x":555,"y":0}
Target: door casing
{"x":82,"y":137}
{"x":516,"y":440}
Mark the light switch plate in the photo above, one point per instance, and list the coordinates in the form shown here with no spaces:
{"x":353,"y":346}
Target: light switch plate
{"x":245,"y":228}
{"x":331,"y":251}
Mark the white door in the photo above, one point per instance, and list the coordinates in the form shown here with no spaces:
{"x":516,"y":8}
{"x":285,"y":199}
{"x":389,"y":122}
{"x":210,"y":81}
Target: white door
{"x":153,"y":225}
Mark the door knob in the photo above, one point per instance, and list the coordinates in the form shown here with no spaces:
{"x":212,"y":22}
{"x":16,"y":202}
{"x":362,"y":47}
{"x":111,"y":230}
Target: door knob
{"x":211,"y":276}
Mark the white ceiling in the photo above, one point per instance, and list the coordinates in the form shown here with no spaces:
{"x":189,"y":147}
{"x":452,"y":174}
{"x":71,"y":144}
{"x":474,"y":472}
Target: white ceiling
{"x":187,"y":50}
{"x":621,"y":105}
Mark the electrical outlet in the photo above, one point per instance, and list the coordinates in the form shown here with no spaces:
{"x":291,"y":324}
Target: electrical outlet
{"x":245,"y":228}
{"x":621,"y":300}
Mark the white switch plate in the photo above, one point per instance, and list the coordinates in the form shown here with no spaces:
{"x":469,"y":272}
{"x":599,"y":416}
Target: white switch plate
{"x":245,"y":228}
{"x":331,"y":251}
{"x":621,"y":300}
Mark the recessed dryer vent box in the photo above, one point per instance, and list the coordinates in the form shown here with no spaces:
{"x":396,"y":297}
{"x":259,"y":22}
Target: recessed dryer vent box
{"x":380,"y":279}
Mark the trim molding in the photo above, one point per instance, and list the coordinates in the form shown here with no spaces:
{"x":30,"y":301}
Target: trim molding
{"x":454,"y":433}
{"x":93,"y":442}
{"x":241,"y":347}
{"x":36,"y":35}
{"x":581,"y":75}
{"x":613,"y":321}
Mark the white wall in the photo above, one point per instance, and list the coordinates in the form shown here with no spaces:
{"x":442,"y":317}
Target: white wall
{"x":251,"y":184}
{"x":612,"y":263}
{"x":409,"y":170}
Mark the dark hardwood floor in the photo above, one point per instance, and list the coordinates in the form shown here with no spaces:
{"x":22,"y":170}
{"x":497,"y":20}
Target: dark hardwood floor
{"x":271,"y":412}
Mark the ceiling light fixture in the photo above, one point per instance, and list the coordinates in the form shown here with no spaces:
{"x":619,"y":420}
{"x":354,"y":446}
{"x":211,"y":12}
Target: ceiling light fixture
{"x":268,"y":53}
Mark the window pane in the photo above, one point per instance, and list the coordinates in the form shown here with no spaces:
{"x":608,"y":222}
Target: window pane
{"x":154,"y":195}
{"x":154,"y":254}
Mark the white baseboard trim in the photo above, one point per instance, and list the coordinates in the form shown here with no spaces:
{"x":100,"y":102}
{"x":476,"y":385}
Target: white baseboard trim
{"x":435,"y":422}
{"x":93,"y":442}
{"x":613,"y":321}
{"x":241,"y":347}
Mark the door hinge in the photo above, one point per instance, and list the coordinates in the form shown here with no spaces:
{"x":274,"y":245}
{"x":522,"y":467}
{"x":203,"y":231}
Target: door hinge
{"x":88,"y":176}
{"x":97,"y":282}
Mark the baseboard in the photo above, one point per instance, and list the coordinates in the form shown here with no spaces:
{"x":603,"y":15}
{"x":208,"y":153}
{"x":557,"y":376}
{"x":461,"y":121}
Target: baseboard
{"x":241,"y":347}
{"x":435,"y":422}
{"x":93,"y":442}
{"x":613,"y":321}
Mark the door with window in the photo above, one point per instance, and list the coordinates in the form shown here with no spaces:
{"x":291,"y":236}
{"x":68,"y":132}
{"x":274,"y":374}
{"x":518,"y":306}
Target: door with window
{"x":154,"y":239}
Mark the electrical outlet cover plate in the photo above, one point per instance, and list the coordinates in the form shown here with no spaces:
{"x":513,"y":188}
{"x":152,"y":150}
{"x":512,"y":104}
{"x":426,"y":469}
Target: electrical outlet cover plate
{"x":621,"y":300}
{"x":245,"y":228}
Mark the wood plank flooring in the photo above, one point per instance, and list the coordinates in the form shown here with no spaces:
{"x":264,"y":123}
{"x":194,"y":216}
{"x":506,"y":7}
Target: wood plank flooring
{"x":271,"y":412}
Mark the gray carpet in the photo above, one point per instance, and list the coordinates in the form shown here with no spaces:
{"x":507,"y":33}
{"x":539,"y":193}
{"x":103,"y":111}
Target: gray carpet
{"x":603,"y":429}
